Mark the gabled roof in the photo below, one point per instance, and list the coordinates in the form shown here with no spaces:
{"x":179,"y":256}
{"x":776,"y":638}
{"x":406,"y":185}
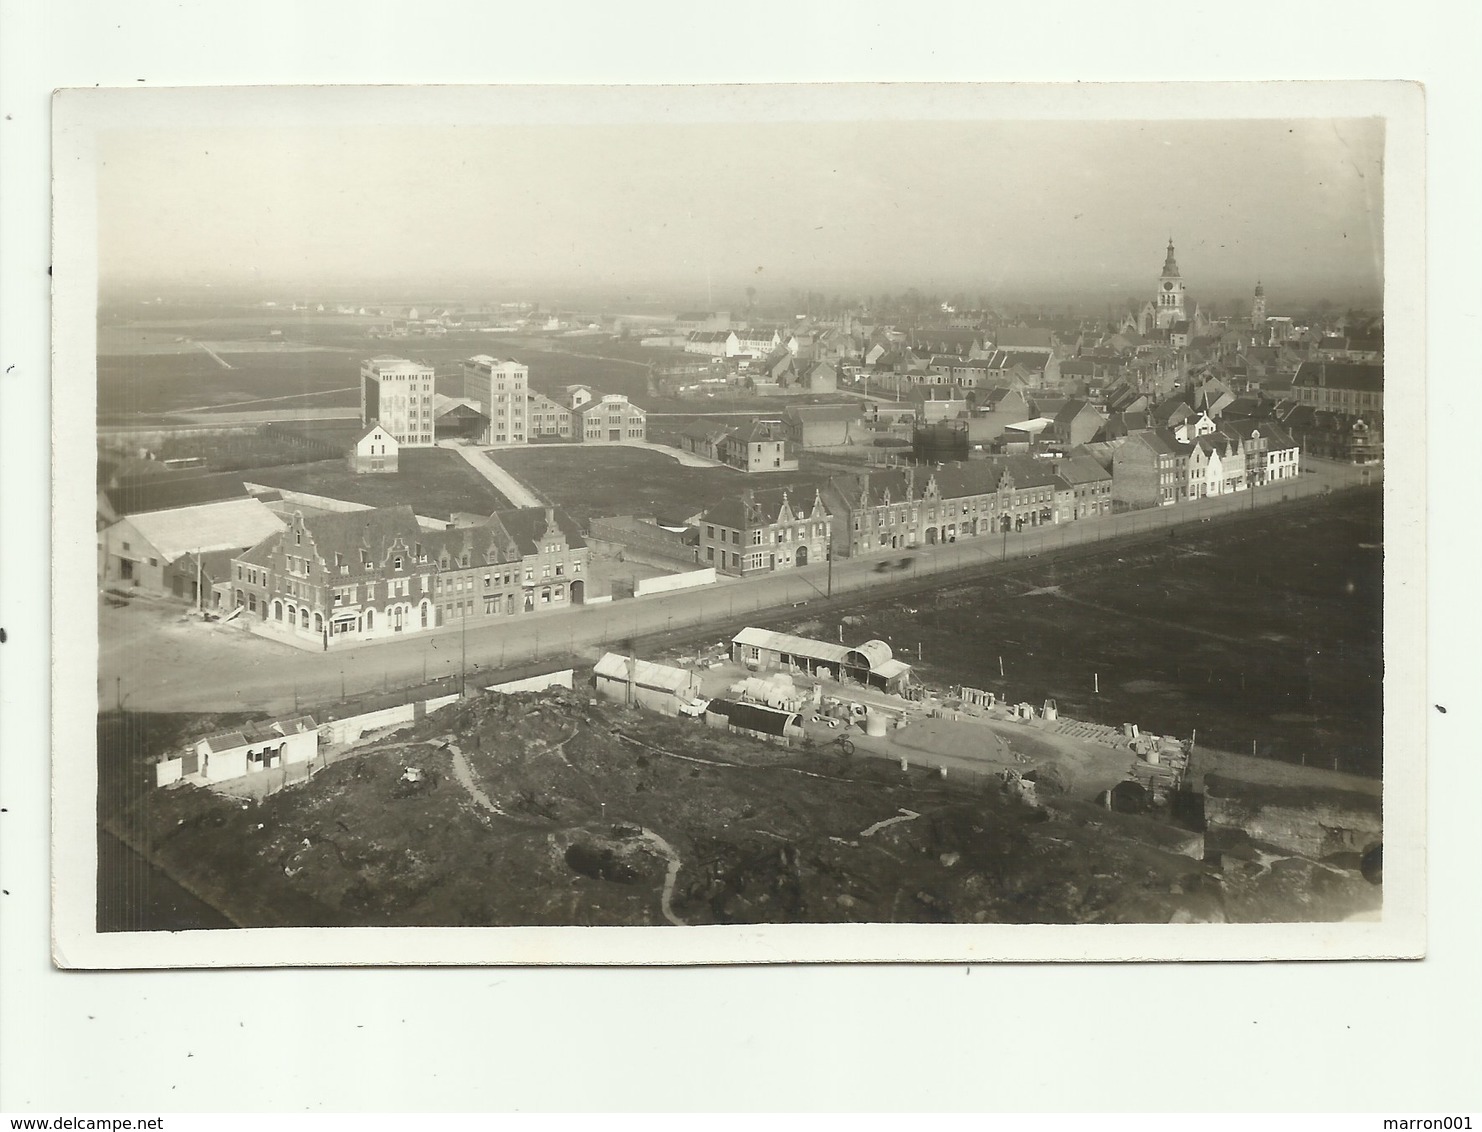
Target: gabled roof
{"x":229,"y":525}
{"x":992,"y":395}
{"x":644,"y":673}
{"x":975,"y":477}
{"x":1030,"y":361}
{"x":1359,"y":377}
{"x":526,"y":525}
{"x":761,"y":431}
{"x":761,"y":508}
{"x":371,"y":430}
{"x":1161,"y":441}
{"x":264,"y":731}
{"x":215,"y":565}
{"x":1082,"y":469}
{"x":484,"y":543}
{"x":1072,"y":409}
{"x":355,"y":536}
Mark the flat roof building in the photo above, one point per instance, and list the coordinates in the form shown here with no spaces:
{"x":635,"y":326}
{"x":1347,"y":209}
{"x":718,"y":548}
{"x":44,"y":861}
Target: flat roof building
{"x":397,"y":395}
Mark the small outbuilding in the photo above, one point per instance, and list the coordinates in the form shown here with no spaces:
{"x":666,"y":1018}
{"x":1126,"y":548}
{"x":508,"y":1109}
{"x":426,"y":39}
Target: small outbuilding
{"x":658,"y":687}
{"x":376,"y":450}
{"x":257,"y":747}
{"x":753,"y":719}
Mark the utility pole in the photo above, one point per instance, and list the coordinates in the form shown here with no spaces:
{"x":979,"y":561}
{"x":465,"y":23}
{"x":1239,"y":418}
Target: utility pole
{"x":463,"y":662}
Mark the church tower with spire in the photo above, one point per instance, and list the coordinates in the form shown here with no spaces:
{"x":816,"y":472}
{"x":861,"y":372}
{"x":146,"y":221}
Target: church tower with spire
{"x":1169,"y":300}
{"x":1258,"y":308}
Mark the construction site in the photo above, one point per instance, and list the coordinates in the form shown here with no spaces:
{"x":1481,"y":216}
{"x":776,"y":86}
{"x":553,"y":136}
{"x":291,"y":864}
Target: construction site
{"x":767,"y":779}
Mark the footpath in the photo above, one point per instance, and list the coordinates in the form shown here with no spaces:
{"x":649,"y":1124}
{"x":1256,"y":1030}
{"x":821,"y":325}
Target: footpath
{"x":507,"y":485}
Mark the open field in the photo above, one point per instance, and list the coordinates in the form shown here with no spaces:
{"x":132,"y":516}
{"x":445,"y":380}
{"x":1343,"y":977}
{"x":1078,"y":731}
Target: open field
{"x":433,"y":481}
{"x":1265,"y":628}
{"x":593,"y":481}
{"x":130,"y":385}
{"x":152,"y":367}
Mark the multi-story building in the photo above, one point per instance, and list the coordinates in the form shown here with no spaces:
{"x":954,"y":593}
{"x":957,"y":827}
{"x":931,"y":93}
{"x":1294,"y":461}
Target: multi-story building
{"x":1216,"y":466}
{"x":1350,"y":388}
{"x":520,"y":561}
{"x":354,"y":575}
{"x":1150,"y":469}
{"x":547,"y":418}
{"x":500,"y":390}
{"x":762,"y":446}
{"x":1086,"y":491}
{"x":762,"y":531}
{"x":361,"y":575}
{"x":397,"y":395}
{"x":612,"y":419}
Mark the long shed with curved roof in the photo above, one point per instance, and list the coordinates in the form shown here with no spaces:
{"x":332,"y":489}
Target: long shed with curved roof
{"x":871,"y":663}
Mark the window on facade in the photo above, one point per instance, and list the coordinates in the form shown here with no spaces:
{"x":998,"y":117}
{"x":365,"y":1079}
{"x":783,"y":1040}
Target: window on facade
{"x":756,"y":538}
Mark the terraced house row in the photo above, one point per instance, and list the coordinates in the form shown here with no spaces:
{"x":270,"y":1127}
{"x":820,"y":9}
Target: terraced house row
{"x":362,"y":575}
{"x":762,"y":531}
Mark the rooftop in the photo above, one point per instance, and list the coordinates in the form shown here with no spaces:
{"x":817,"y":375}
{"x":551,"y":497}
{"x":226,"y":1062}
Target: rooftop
{"x":229,"y":525}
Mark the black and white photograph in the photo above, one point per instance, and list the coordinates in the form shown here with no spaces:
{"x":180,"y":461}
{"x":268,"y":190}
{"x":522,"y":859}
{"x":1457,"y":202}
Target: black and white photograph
{"x":676,"y":525}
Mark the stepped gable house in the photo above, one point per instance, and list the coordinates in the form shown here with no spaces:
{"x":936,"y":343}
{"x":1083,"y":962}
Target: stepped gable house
{"x":762,"y":531}
{"x":356,"y":574}
{"x":364,"y":575}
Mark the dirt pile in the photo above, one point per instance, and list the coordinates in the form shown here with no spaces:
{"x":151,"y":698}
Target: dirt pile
{"x":548,"y":808}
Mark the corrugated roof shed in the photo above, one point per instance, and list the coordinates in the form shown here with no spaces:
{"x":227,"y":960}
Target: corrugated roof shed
{"x":797,"y":646}
{"x":646,"y":673}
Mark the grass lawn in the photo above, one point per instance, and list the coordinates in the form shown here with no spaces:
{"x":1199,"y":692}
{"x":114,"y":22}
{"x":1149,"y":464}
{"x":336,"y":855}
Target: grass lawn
{"x":434,"y":481}
{"x":587,"y":481}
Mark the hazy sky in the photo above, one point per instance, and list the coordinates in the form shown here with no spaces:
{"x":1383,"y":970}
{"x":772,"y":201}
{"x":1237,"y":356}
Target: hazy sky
{"x":985,"y":207}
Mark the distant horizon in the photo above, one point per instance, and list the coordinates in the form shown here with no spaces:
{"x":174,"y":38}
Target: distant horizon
{"x":658,"y":302}
{"x":1026,"y":211}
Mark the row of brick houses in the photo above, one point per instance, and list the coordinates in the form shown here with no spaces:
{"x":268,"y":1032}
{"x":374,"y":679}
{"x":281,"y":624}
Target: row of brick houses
{"x":1163,"y":466}
{"x":761,"y":531}
{"x":363,"y":575}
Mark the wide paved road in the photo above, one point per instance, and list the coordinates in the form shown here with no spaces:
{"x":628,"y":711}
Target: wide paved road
{"x":185,"y":668}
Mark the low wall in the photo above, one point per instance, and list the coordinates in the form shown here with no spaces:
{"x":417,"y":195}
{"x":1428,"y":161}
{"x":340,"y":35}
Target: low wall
{"x":560,"y":679}
{"x":667,"y":583}
{"x":348,"y":730}
{"x":307,"y":499}
{"x":168,"y":771}
{"x":644,"y":542}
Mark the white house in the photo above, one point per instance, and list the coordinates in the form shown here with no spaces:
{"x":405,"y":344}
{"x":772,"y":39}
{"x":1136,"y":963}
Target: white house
{"x":376,"y":451}
{"x":257,"y":747}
